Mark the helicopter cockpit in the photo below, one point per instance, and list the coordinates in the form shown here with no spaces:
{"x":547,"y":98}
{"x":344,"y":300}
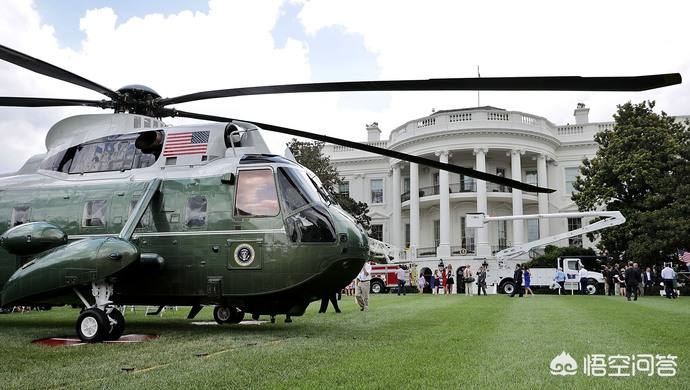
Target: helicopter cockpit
{"x":111,"y":153}
{"x":304,"y":205}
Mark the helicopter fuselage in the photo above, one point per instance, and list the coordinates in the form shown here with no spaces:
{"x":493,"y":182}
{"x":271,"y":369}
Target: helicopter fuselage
{"x":252,"y":231}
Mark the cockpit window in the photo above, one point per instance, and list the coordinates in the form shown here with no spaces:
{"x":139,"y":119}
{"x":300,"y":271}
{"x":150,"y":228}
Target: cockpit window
{"x":256,"y":194}
{"x":112,"y":153}
{"x":297,"y":189}
{"x":307,"y":219}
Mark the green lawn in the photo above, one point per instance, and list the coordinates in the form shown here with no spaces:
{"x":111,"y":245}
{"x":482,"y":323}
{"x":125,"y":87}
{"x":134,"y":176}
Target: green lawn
{"x":416,"y":341}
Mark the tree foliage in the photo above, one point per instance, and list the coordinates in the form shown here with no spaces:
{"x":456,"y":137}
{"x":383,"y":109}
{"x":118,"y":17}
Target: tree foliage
{"x":552,"y":252}
{"x":310,"y":155}
{"x":641,"y":169}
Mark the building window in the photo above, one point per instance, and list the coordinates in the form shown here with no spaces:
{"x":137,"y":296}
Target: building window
{"x":20,"y":215}
{"x":344,"y":188}
{"x":376,"y":232}
{"x":574,"y":224}
{"x":376,"y":190}
{"x":531,"y":177}
{"x":467,"y":236}
{"x":502,"y":235}
{"x":436,"y":191}
{"x":437,"y":232}
{"x":532,"y":229}
{"x":406,"y":185}
{"x":94,"y":213}
{"x":502,"y":173}
{"x":407,"y":235}
{"x":570,"y":175}
{"x":467,"y":184}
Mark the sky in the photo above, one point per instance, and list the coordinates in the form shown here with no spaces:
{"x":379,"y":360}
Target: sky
{"x":178,"y":47}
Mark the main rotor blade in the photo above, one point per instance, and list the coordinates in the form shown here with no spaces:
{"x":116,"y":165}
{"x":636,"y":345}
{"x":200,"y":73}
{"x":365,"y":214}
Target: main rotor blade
{"x":376,"y":150}
{"x":549,"y":83}
{"x":13,"y":101}
{"x":44,"y":68}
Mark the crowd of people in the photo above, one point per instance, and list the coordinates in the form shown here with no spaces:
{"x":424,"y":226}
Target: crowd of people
{"x":628,"y":281}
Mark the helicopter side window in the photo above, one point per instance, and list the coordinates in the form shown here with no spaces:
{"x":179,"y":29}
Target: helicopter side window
{"x":94,"y":213}
{"x":256,"y":194}
{"x":196,"y":212}
{"x":20,"y":215}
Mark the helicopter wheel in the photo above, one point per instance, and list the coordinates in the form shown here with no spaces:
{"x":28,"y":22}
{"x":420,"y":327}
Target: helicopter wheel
{"x":92,"y":325}
{"x":118,"y":327}
{"x":237,"y":315}
{"x":222,"y":314}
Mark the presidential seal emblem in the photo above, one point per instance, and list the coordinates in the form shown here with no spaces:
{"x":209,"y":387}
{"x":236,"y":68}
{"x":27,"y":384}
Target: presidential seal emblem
{"x":244,"y":255}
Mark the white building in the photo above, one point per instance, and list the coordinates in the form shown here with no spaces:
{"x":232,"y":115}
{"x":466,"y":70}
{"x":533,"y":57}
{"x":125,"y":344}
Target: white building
{"x":423,"y":209}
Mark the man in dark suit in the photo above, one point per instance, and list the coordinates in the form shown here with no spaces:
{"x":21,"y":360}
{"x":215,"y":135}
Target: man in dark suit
{"x":517,"y":276}
{"x":648,"y":280}
{"x":632,"y":280}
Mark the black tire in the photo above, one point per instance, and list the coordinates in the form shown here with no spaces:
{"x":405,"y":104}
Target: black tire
{"x":592,"y":287}
{"x":507,"y":287}
{"x":377,"y":287}
{"x":237,"y":315}
{"x":118,"y":327}
{"x":92,"y":325}
{"x":222,"y":314}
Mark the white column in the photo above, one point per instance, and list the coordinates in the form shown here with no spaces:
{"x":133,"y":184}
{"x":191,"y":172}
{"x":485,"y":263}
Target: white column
{"x":543,"y":198}
{"x":516,"y":174}
{"x":443,"y":249}
{"x":483,"y":247}
{"x":414,"y":209}
{"x":396,"y":227}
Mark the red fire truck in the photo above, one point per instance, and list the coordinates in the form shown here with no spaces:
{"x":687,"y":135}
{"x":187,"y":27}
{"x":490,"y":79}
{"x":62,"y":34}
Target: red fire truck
{"x":383,"y":277}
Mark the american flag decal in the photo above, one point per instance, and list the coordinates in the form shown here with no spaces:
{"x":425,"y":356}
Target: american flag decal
{"x":191,"y":142}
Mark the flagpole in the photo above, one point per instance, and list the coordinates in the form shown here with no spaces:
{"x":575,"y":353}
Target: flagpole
{"x":478,"y":76}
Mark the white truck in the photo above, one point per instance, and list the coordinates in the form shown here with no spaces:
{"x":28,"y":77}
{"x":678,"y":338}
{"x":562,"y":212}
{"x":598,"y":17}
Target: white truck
{"x":500,"y":273}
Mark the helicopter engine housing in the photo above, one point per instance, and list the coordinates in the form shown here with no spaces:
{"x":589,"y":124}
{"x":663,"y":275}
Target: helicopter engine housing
{"x":32,"y":238}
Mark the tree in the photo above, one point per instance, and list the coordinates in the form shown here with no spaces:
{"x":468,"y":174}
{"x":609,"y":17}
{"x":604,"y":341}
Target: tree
{"x":641,"y":169}
{"x":310,"y":155}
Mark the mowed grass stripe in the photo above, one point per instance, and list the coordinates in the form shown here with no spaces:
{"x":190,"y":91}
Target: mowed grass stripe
{"x":429,"y":341}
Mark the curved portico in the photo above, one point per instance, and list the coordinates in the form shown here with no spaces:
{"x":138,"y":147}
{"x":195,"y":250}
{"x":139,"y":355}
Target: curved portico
{"x":423,"y":209}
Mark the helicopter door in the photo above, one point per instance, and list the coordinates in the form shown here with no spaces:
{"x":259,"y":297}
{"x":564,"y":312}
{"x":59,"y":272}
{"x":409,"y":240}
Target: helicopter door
{"x":256,"y":209}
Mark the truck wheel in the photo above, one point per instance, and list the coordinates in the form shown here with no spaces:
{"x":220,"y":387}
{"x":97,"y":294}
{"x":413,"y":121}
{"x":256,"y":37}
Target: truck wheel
{"x":377,"y":287}
{"x":507,"y":287}
{"x":592,"y":287}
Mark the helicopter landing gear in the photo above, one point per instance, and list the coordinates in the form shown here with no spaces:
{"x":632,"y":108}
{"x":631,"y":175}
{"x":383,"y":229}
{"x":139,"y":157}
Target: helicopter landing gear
{"x":228,"y":314}
{"x":101,"y":321}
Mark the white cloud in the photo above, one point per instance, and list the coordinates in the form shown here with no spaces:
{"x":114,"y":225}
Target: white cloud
{"x":232,"y":46}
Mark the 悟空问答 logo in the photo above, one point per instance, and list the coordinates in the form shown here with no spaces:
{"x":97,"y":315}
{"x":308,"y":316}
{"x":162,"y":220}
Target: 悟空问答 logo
{"x":244,"y":255}
{"x":563,"y":364}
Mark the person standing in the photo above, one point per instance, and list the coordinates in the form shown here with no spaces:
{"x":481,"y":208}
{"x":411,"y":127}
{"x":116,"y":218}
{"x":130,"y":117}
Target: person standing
{"x":583,"y":279}
{"x":632,"y":280}
{"x":517,"y":276}
{"x":615,"y":277}
{"x":481,"y":281}
{"x":421,"y":283}
{"x":648,"y":280}
{"x":450,"y":279}
{"x":667,"y":276}
{"x":527,"y":276}
{"x":401,"y":275}
{"x":333,"y":297}
{"x":606,"y":272}
{"x":467,"y":277}
{"x":437,"y":283}
{"x":559,"y":278}
{"x":363,"y":286}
